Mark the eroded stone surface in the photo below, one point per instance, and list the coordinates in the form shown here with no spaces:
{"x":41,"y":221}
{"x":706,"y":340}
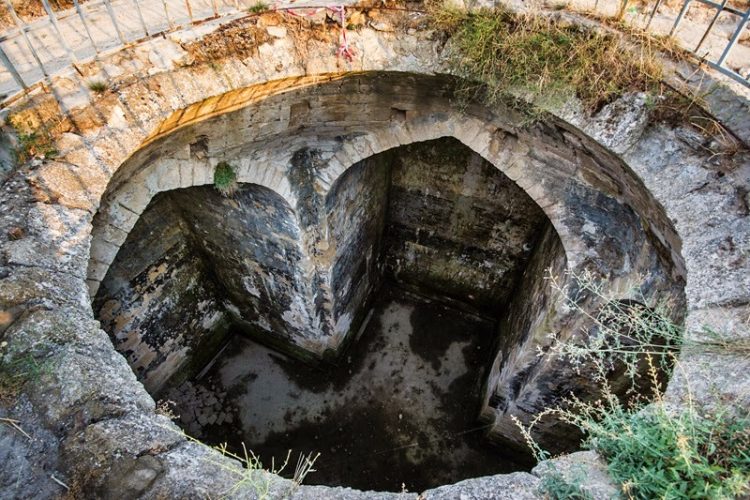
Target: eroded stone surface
{"x":585,"y":470}
{"x":157,"y":303}
{"x":456,"y":227}
{"x":518,"y":485}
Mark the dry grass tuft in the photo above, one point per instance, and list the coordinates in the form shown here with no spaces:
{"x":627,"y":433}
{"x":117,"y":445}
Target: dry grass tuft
{"x":98,"y":86}
{"x":546,"y":58}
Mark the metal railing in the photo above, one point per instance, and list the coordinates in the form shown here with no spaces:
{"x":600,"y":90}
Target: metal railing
{"x":33,"y":57}
{"x":32,"y":52}
{"x":742,"y":19}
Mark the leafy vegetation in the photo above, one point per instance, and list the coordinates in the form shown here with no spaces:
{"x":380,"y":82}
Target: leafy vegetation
{"x":556,"y":486}
{"x":34,"y":145}
{"x":652,"y":449}
{"x":258,"y":7}
{"x":656,"y":453}
{"x":14,"y":374}
{"x":225,"y":179}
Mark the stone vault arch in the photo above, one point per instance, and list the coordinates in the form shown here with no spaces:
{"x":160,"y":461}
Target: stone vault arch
{"x":593,"y":201}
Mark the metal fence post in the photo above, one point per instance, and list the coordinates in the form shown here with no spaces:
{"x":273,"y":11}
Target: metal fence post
{"x":621,"y":9}
{"x":740,"y":27}
{"x":114,"y":21}
{"x":190,"y":10}
{"x":53,"y":19}
{"x":11,"y":68}
{"x":82,"y":15}
{"x":166,"y":13}
{"x":719,"y":10}
{"x":679,"y":17}
{"x":22,"y":28}
{"x":140,"y":16}
{"x":653,"y":13}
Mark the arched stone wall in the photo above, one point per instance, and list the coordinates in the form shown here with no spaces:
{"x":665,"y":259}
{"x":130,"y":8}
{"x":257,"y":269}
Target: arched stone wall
{"x":169,"y":166}
{"x":595,"y":204}
{"x":101,"y":419}
{"x":194,"y":262}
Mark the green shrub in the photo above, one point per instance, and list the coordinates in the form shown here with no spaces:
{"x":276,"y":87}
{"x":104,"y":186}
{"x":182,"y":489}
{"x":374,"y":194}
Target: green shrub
{"x":652,"y":450}
{"x":34,"y":145}
{"x":258,"y":7}
{"x":655,"y":453}
{"x":555,"y":486}
{"x":225,"y":179}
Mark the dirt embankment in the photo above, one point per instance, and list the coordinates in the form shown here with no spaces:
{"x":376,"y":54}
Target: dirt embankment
{"x":28,"y":10}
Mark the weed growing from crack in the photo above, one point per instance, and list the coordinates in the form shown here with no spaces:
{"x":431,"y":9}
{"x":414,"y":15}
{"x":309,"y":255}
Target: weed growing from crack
{"x":555,"y":485}
{"x":253,"y":475}
{"x":225,"y":179}
{"x":98,"y":86}
{"x":17,"y":372}
{"x":34,"y":145}
{"x":166,"y":409}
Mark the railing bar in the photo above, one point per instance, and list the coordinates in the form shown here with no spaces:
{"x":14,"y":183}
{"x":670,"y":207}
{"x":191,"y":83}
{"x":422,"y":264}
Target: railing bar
{"x":22,"y":28}
{"x":12,"y":69}
{"x":653,"y":13}
{"x":10,"y":33}
{"x":114,"y":21}
{"x":679,"y":17}
{"x":621,"y":10}
{"x":190,"y":11}
{"x":166,"y":13}
{"x":729,"y":8}
{"x":740,"y":27}
{"x":728,"y":72}
{"x":82,"y":15}
{"x":711,"y":25}
{"x":56,"y":27}
{"x":140,"y":16}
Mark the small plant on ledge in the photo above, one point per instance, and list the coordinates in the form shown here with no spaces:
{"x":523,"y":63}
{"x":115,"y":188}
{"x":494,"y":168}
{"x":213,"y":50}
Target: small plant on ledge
{"x":258,"y":8}
{"x":35,"y":146}
{"x":98,"y":86}
{"x":225,"y":179}
{"x":252,"y":477}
